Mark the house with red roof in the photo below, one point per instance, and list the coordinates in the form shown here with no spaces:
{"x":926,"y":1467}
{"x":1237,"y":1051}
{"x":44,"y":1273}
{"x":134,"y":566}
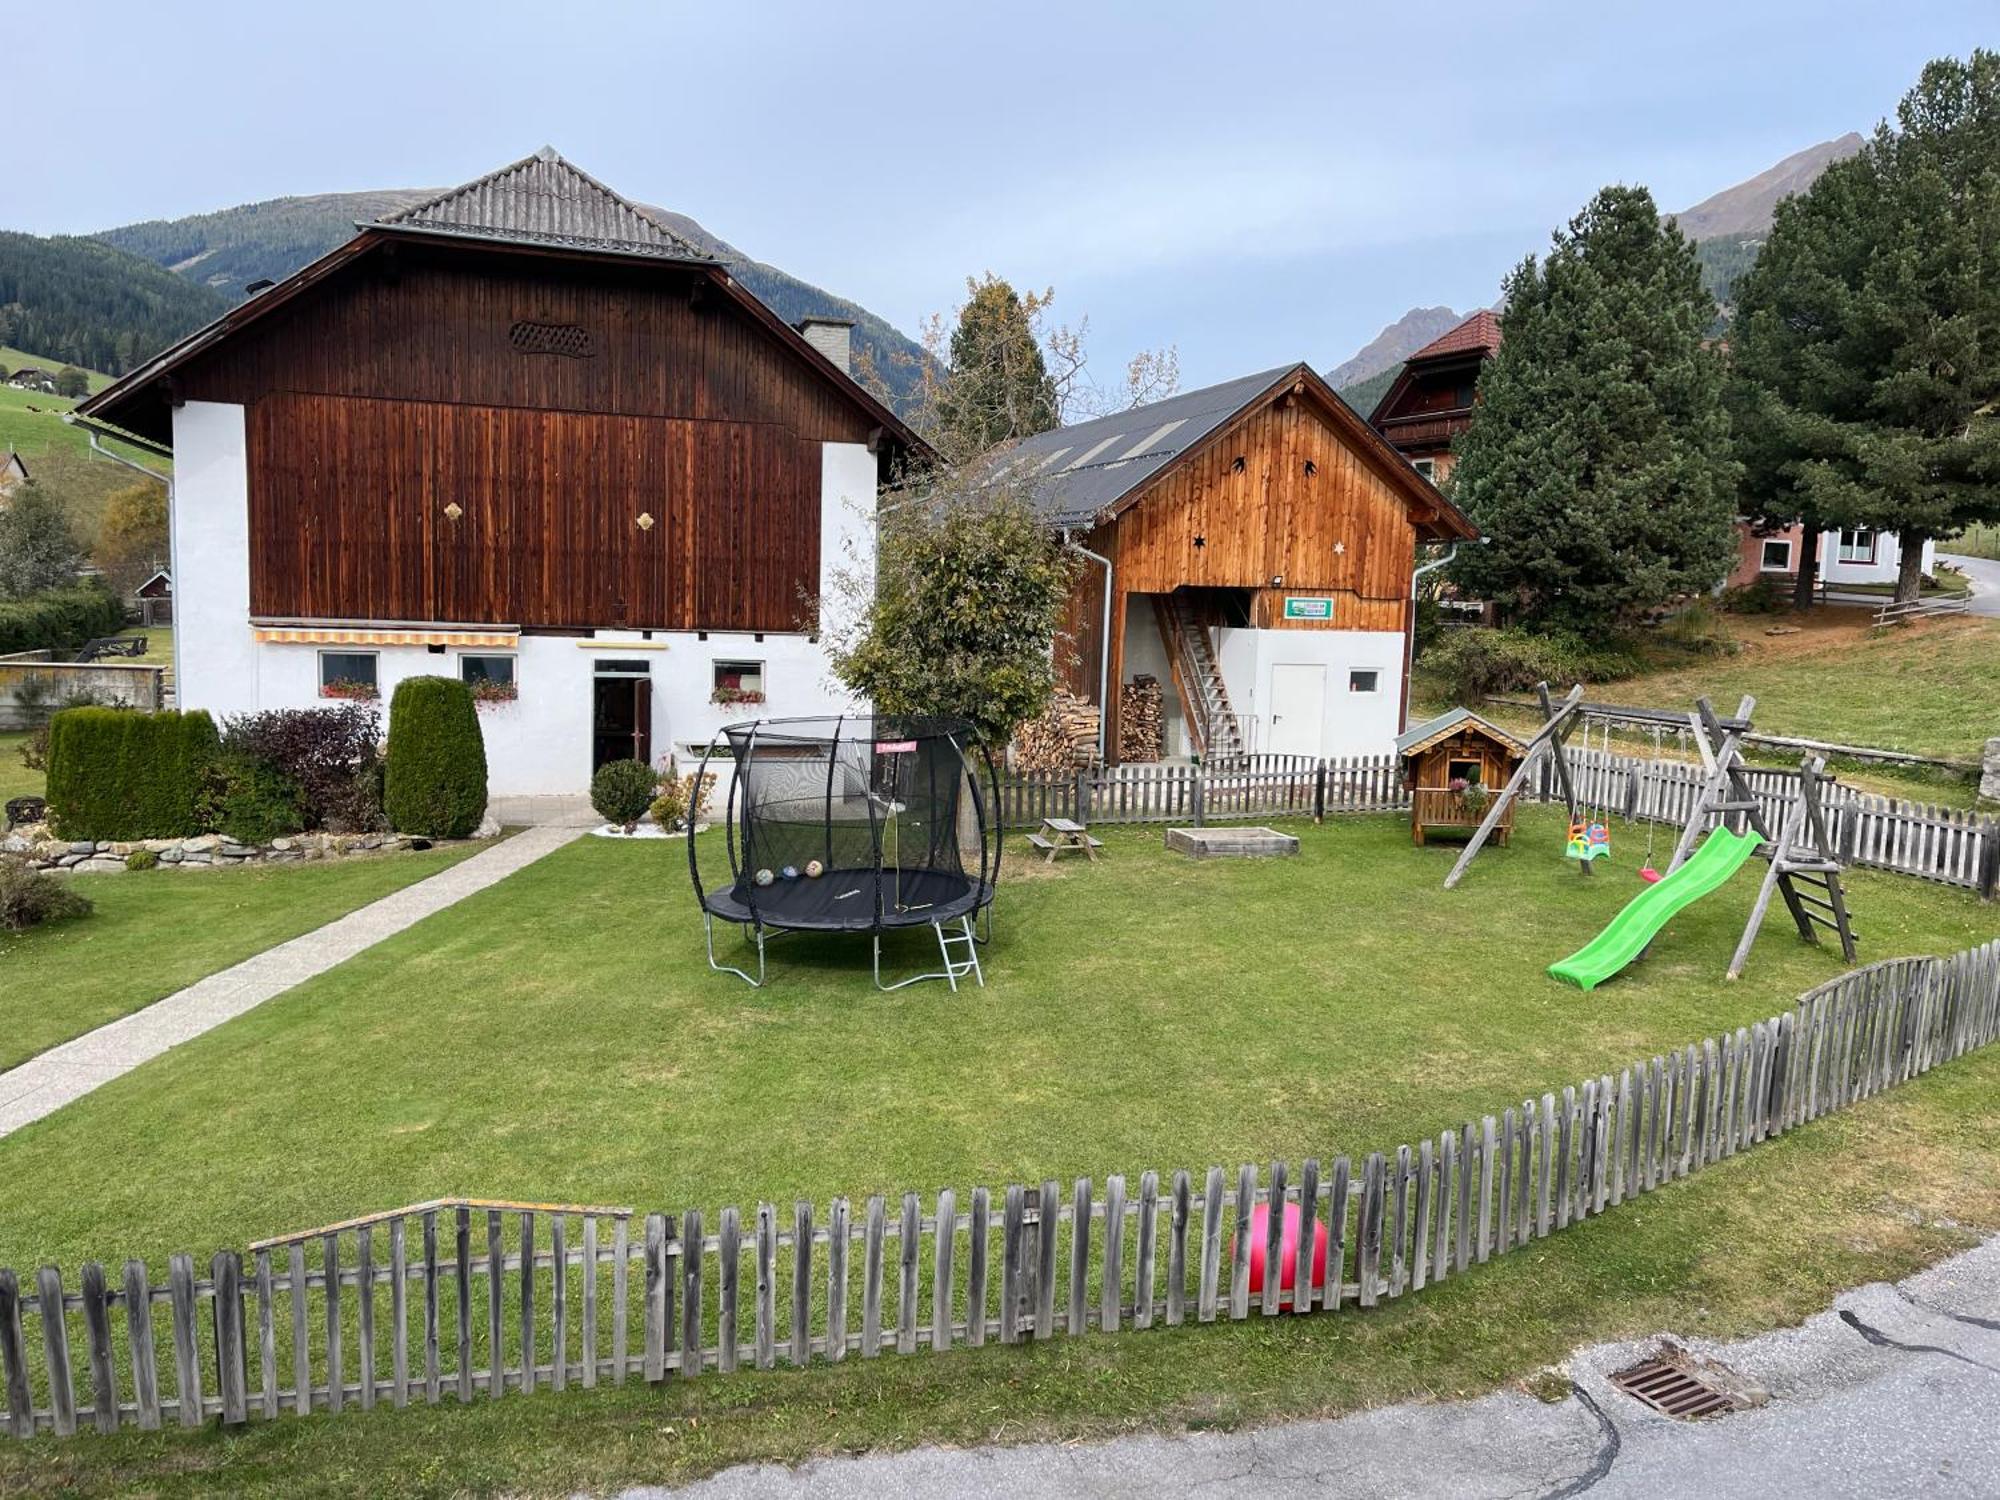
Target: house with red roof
{"x":1431,"y":401}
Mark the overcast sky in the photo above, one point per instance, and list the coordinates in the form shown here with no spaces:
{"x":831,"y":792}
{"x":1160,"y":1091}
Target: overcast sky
{"x":1254,"y":183}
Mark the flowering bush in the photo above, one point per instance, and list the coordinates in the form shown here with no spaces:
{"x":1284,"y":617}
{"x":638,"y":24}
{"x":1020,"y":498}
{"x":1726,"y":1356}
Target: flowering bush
{"x":682,"y":799}
{"x":727,"y":694}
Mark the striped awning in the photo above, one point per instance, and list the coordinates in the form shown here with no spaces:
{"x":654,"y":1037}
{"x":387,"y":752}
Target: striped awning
{"x":301,"y":634}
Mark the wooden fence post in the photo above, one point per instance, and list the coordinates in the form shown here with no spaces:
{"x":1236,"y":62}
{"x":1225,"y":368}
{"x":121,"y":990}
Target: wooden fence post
{"x":1989,"y":860}
{"x":1319,"y":791}
{"x":226,"y":1271}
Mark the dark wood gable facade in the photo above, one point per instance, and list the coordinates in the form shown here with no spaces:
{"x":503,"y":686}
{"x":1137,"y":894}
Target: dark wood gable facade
{"x":444,"y":429}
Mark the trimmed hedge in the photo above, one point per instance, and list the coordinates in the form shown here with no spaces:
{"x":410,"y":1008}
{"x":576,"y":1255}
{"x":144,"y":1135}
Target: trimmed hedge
{"x":622,"y":791}
{"x":436,"y":776}
{"x":60,"y":618}
{"x":116,"y":774}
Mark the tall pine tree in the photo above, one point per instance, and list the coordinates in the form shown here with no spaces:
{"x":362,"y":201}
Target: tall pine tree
{"x":1598,"y":462}
{"x":1868,"y":334}
{"x":997,"y":387}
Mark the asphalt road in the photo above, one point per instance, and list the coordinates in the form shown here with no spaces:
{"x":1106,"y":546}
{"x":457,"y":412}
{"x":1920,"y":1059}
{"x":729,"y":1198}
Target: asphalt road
{"x":1893,"y":1391}
{"x":1985,"y":576}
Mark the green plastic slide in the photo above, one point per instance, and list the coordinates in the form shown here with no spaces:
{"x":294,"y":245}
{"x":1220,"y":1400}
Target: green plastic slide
{"x":1721,"y":855}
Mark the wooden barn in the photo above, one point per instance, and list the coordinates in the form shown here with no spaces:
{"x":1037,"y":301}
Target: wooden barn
{"x":1252,"y":544}
{"x":1452,"y":764}
{"x":1431,"y":400}
{"x":524,"y":434}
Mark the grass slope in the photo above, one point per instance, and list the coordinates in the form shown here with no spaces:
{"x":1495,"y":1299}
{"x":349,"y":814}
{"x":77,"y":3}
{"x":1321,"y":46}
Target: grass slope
{"x":569,"y":1044}
{"x":157,"y":933}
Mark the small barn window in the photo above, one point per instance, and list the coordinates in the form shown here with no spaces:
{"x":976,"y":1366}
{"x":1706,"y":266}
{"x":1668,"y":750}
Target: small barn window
{"x":1426,"y":467}
{"x":1363,"y":682}
{"x":567,"y":339}
{"x":1777,"y":557}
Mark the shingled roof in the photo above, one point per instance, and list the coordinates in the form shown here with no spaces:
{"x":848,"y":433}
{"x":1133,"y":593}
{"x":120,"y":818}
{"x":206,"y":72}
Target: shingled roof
{"x":543,"y":199}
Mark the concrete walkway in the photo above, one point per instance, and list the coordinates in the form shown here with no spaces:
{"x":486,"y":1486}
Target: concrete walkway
{"x":45,"y":1083}
{"x":1891,"y":1392}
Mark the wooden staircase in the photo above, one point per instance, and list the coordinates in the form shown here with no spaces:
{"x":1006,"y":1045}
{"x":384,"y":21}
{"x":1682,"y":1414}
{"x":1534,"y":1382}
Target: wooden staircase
{"x":1198,"y":678}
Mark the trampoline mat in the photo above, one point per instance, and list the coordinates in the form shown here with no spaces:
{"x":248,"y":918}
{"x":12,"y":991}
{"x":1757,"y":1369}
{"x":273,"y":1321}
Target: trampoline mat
{"x":844,"y":900}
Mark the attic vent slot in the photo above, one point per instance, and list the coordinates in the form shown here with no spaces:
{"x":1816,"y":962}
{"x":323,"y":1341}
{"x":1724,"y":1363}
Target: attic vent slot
{"x":1237,"y":466}
{"x":552,"y":338}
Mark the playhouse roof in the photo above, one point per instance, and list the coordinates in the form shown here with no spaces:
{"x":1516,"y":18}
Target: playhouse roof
{"x":1420,"y":737}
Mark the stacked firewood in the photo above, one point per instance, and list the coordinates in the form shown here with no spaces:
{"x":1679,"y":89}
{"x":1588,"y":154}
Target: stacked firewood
{"x":1062,"y":739}
{"x":1139,"y":719}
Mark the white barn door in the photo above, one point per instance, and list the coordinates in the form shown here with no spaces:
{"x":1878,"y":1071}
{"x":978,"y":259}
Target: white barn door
{"x":1298,"y":707}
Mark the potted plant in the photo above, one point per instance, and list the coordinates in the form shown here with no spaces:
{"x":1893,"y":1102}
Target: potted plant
{"x":351,"y":689}
{"x":487,"y":693}
{"x":1471,"y":795}
{"x":730,"y":696}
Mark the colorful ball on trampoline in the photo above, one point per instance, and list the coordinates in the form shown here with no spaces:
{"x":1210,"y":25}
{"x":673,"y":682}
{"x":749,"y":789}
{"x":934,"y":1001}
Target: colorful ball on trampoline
{"x":790,"y":872}
{"x":814,"y":869}
{"x":764,"y":877}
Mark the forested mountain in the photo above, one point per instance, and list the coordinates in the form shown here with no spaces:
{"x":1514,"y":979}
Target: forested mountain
{"x":79,"y":301}
{"x":1394,"y":344}
{"x":229,"y":249}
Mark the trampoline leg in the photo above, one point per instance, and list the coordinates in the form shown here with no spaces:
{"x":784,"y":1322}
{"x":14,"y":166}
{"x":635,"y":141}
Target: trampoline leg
{"x":708,"y":933}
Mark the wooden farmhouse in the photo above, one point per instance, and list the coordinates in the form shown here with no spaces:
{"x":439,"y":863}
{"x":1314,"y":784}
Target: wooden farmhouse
{"x":1431,"y":401}
{"x":526,"y":435}
{"x":1252,"y":544}
{"x":1445,"y":760}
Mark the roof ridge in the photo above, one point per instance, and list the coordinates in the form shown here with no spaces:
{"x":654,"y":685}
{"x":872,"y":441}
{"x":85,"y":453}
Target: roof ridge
{"x":547,"y":214}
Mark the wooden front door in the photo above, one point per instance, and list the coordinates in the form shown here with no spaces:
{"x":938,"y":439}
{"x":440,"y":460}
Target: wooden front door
{"x":621,"y":720}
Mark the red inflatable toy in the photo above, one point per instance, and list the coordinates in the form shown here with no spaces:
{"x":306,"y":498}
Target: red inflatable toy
{"x":1288,"y":1253}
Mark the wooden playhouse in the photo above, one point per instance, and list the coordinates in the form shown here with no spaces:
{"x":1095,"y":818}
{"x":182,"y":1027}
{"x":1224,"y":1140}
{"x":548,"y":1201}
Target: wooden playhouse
{"x":1454,"y":765}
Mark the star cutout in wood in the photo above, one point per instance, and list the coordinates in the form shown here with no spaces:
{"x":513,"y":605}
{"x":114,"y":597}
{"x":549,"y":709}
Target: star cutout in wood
{"x":1339,"y":549}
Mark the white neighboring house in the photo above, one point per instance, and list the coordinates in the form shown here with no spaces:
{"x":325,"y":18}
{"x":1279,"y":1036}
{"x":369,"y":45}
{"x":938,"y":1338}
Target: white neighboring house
{"x":525,"y":435}
{"x":1863,"y":556}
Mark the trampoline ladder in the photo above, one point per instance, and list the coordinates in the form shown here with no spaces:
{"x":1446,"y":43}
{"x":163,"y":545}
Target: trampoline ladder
{"x":966,"y":939}
{"x":961,"y":935}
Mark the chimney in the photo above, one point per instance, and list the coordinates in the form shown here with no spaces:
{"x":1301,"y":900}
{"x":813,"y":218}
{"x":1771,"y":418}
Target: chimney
{"x":833,"y":337}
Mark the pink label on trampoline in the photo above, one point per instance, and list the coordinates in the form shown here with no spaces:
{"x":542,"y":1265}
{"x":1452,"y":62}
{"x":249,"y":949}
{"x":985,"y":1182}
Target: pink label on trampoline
{"x":895,"y":747}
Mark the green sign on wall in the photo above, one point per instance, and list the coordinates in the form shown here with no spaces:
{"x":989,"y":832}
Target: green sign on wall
{"x":1308,"y":607}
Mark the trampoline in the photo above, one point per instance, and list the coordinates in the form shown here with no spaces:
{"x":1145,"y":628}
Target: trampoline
{"x":861,"y":824}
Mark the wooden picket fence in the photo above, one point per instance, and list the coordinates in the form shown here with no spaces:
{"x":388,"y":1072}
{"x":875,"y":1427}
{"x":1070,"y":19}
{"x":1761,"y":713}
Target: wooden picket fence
{"x":1947,"y":845}
{"x":466,"y":1300}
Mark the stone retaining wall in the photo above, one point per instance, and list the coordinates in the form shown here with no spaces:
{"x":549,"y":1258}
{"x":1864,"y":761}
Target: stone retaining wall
{"x":43,"y":851}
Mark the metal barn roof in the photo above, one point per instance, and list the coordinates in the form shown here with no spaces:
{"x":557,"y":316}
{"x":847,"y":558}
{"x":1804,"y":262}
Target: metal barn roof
{"x":1083,"y":470}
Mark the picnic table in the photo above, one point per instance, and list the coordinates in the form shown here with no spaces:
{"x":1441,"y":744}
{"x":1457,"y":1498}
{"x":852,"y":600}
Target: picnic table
{"x":1065,"y":836}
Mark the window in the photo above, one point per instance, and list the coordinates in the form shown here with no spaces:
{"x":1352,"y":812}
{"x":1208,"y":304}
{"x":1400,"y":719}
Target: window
{"x":738,"y":682}
{"x":349,"y":674}
{"x":1362,"y":682}
{"x":1467,"y":771}
{"x":1777,"y":557}
{"x":1426,"y":467}
{"x":491,"y":678}
{"x":1857,"y":546}
{"x":473,"y":670}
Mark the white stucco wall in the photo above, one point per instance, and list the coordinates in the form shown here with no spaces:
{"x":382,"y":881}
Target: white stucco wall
{"x":1888,"y":560}
{"x":215,"y":660}
{"x":1351,"y":723}
{"x":540,"y":744}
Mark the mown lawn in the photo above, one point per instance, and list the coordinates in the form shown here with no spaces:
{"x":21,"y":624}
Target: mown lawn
{"x":16,"y":780}
{"x":160,"y":931}
{"x":559,"y":1038}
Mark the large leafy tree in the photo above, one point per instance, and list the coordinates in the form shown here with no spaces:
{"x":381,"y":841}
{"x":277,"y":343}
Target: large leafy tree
{"x":997,"y":385}
{"x":38,"y":548}
{"x":1599,"y":462}
{"x":1867,"y":343}
{"x":132,"y":536}
{"x":958,"y":614}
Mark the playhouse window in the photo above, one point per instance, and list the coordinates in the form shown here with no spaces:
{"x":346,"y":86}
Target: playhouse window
{"x":1777,"y":557}
{"x":1857,"y":546}
{"x":1467,"y":771}
{"x":1363,"y":682}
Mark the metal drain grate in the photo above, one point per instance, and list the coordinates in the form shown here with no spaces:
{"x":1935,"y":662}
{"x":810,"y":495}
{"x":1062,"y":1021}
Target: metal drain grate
{"x":1673,"y":1389}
